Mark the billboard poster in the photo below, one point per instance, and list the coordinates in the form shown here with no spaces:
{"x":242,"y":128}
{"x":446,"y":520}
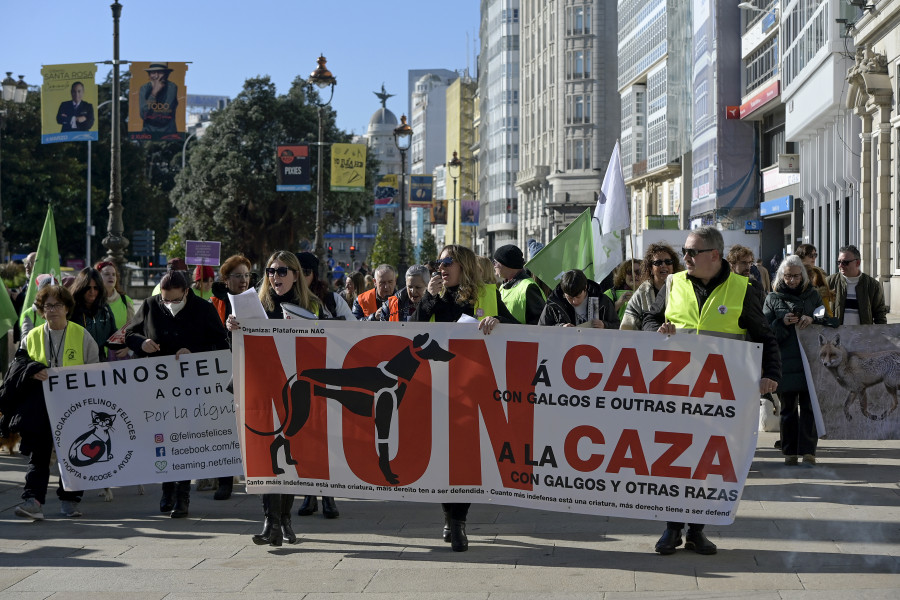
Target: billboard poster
{"x":156,"y":102}
{"x":293,"y":168}
{"x":68,"y":103}
{"x":469,"y":214}
{"x":421,"y":191}
{"x":348,"y":167}
{"x":439,"y":212}
{"x":387,"y":192}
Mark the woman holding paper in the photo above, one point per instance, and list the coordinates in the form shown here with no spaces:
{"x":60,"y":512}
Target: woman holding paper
{"x":234,"y":279}
{"x":283,"y":284}
{"x":175,"y":322}
{"x":457,"y":292}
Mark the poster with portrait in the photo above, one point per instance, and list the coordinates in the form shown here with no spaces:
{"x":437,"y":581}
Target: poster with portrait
{"x":439,"y":212}
{"x":69,"y":103}
{"x":469,"y":214}
{"x":421,"y":191}
{"x":156,"y":102}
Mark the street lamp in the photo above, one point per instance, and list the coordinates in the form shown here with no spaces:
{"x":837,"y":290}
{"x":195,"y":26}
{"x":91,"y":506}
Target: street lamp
{"x":15,"y":92}
{"x":751,"y":7}
{"x":88,"y":225}
{"x":321,"y":78}
{"x":115,"y":240}
{"x":402,"y":139}
{"x":453,"y":168}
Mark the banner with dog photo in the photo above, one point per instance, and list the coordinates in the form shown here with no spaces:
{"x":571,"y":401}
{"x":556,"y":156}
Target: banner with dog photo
{"x":589,"y":421}
{"x":146,"y":420}
{"x":855,"y":370}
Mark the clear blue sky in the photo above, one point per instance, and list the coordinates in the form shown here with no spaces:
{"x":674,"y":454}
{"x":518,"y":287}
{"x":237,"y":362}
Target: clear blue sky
{"x":366,"y":42}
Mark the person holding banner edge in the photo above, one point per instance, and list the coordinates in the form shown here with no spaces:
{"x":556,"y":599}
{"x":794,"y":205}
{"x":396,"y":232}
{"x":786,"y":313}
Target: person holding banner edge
{"x":457,"y":290}
{"x":679,"y":306}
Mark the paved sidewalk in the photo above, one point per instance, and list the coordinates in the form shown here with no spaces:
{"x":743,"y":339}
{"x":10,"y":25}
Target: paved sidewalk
{"x":828,"y":532}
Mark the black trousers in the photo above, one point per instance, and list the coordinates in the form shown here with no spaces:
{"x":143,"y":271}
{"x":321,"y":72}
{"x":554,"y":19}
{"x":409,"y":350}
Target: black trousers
{"x":694,"y":526}
{"x":798,"y":424}
{"x":456,"y":510}
{"x":37,"y":478}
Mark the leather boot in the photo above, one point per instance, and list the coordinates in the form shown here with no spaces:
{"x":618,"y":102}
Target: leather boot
{"x":698,"y":542}
{"x":670,"y":540}
{"x":309,"y":506}
{"x":459,"y":542}
{"x":223,"y":492}
{"x":329,"y":508}
{"x":446,"y":532}
{"x":271,"y":533}
{"x":182,"y":500}
{"x":168,"y":497}
{"x":287,"y":532}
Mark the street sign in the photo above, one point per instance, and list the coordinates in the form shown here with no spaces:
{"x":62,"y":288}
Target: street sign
{"x":143,"y":242}
{"x":203,"y":253}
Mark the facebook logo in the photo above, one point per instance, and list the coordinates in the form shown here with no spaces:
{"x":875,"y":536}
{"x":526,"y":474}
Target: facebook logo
{"x":161,"y":451}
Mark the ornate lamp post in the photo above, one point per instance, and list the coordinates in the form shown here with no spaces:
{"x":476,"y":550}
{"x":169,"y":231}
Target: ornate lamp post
{"x":321,"y":78}
{"x":402,"y":139}
{"x":453,"y":168}
{"x":15,"y":92}
{"x":115,"y":240}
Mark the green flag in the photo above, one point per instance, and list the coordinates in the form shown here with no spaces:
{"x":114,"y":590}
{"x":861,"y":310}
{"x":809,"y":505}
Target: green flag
{"x":7,"y":312}
{"x":46,"y":261}
{"x":573,"y":248}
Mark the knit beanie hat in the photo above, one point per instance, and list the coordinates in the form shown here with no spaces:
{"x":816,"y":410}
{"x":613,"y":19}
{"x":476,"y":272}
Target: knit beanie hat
{"x":510,"y":256}
{"x":308,"y":260}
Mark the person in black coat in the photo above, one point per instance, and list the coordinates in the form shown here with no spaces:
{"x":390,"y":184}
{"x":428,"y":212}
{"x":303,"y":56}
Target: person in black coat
{"x":175,"y":322}
{"x":579,"y":302}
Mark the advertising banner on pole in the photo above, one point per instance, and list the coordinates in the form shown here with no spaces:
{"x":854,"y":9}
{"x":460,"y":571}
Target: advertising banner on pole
{"x":421,"y":191}
{"x":619,"y":423}
{"x":387,"y":191}
{"x":68,"y":103}
{"x":439,"y":212}
{"x":146,"y":420}
{"x":469,"y":214}
{"x":157,"y":101}
{"x":348,"y":167}
{"x":293,"y":169}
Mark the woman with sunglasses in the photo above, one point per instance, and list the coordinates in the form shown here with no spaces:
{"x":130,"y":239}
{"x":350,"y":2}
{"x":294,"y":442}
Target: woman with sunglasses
{"x":790,"y":307}
{"x":173,"y":323}
{"x":92,"y":312}
{"x":283,"y":284}
{"x":458,"y":289}
{"x":660,"y":261}
{"x":332,"y":302}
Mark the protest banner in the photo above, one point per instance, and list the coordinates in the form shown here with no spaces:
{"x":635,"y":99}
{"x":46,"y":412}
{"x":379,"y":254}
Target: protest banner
{"x":590,"y":421}
{"x":146,"y":420}
{"x":854,"y":373}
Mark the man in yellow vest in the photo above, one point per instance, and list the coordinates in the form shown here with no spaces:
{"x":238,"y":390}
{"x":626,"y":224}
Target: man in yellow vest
{"x":709,"y":299}
{"x":520,"y":293}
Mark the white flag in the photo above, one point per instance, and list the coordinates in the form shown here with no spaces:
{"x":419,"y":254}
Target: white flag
{"x":610,"y":218}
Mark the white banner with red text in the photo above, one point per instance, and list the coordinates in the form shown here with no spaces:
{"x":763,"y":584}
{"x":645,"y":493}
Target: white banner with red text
{"x":617,"y":423}
{"x":145,"y":420}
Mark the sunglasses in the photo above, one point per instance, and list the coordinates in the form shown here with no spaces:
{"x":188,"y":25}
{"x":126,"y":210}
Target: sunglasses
{"x":444,"y":262}
{"x":280,"y":271}
{"x":665,"y":261}
{"x":307,"y":272}
{"x":693,"y":252}
{"x":845,"y":263}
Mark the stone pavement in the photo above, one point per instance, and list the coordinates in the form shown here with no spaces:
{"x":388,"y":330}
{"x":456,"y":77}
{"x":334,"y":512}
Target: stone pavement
{"x":828,"y":532}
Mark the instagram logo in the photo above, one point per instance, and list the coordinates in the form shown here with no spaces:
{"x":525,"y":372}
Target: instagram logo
{"x":159,"y":438}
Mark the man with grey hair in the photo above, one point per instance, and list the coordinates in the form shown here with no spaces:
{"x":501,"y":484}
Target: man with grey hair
{"x":679,"y":307}
{"x":402,"y":305}
{"x":859,"y":298}
{"x":367,"y":303}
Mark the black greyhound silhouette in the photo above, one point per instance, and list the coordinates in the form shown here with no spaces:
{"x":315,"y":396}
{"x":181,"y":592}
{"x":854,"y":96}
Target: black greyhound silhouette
{"x":375,"y":391}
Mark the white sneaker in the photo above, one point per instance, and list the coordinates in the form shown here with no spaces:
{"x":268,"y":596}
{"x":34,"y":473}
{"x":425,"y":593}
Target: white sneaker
{"x":30,"y":509}
{"x":69,"y":509}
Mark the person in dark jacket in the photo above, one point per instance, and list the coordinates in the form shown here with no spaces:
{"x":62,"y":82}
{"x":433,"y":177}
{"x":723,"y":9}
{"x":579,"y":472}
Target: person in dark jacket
{"x":790,"y":307}
{"x":521,"y":294}
{"x":457,"y":290}
{"x":579,"y":302}
{"x":175,"y":322}
{"x":402,"y":305}
{"x":92,"y":312}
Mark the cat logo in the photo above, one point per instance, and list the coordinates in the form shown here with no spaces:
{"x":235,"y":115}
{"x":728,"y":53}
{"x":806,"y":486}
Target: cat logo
{"x":70,"y":354}
{"x":94,"y":445}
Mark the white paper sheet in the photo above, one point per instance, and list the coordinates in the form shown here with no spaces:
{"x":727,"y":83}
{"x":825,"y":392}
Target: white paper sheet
{"x":246,"y":305}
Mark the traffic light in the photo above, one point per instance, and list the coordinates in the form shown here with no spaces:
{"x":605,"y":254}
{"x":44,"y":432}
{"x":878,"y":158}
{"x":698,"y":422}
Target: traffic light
{"x":352,"y":252}
{"x":330,"y":251}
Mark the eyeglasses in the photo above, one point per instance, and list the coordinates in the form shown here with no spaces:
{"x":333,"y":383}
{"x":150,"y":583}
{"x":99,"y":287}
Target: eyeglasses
{"x":307,"y":272}
{"x":665,"y":261}
{"x":177,"y":301}
{"x":280,"y":271}
{"x":815,"y":255}
{"x":240,"y":275}
{"x":787,"y":276}
{"x":53,"y":307}
{"x":444,"y":262}
{"x":693,"y":252}
{"x":844,"y":263}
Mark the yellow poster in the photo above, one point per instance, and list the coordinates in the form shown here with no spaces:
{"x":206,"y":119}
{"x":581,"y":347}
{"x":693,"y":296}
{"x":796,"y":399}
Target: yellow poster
{"x":348,"y":167}
{"x":156,"y":101}
{"x":68,"y":103}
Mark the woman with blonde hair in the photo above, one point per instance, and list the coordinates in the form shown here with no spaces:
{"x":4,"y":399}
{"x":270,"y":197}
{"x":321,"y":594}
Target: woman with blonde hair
{"x":457,"y":289}
{"x":819,"y":280}
{"x":486,"y":268}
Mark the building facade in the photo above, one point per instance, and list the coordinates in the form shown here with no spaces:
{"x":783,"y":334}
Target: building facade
{"x":460,"y":138}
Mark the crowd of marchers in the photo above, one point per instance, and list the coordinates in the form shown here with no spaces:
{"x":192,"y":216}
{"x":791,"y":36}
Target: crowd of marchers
{"x":698,"y":289}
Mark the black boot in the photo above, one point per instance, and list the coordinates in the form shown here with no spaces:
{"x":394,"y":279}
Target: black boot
{"x":670,"y":540}
{"x":287,"y":532}
{"x":182,"y":500}
{"x":446,"y":532}
{"x":309,"y":506}
{"x":459,"y":542}
{"x":271,"y":533}
{"x":698,"y":542}
{"x":225,"y":486}
{"x":168,"y":497}
{"x":329,"y":508}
